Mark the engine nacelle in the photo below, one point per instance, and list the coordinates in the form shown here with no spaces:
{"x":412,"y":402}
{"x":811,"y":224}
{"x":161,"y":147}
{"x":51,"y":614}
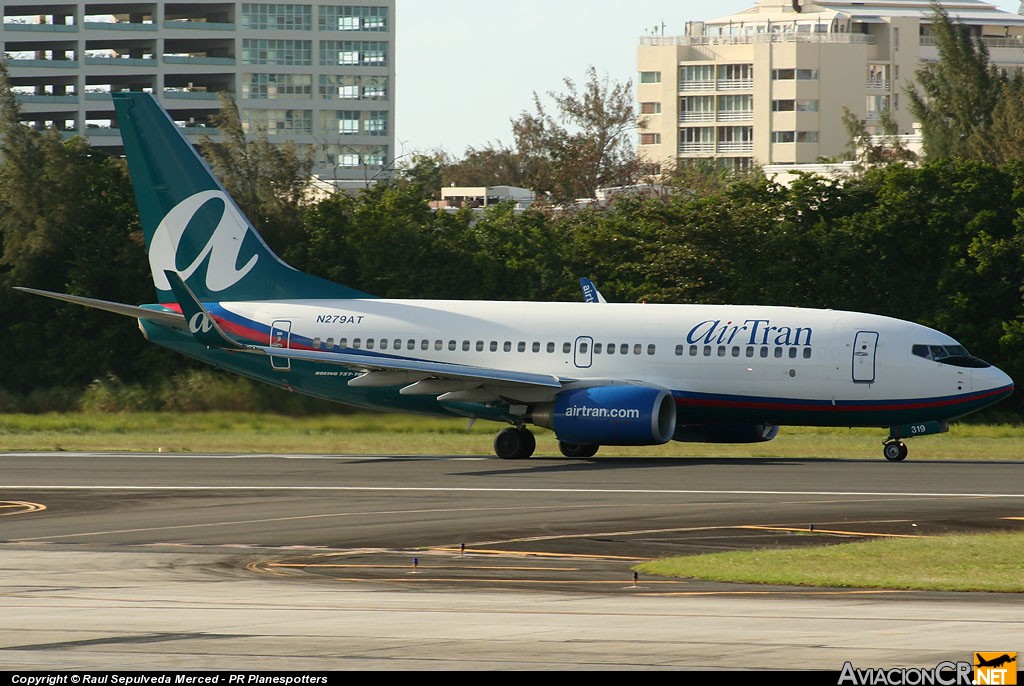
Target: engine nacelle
{"x":610,"y":415}
{"x":725,"y":433}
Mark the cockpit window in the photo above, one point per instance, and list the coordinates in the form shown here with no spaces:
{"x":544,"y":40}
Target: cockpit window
{"x":955,"y":355}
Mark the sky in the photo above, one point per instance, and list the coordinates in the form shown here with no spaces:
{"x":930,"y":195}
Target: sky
{"x":466,"y":68}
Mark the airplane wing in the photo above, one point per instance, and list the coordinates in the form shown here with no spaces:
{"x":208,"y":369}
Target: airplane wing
{"x":205,"y":329}
{"x":160,"y":316}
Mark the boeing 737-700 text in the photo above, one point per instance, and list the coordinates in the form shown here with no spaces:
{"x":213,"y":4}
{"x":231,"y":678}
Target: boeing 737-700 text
{"x":615,"y":374}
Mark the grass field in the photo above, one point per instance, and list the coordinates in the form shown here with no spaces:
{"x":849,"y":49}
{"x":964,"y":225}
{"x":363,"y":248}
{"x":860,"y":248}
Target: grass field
{"x":983,"y":562}
{"x":405,"y":435}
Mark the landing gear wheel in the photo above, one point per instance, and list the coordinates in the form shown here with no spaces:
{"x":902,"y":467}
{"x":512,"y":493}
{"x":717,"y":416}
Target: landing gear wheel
{"x":895,"y":451}
{"x":577,"y":450}
{"x":514,"y":444}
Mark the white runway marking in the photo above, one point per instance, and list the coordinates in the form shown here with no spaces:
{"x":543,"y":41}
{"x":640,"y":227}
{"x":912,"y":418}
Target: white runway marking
{"x":457,"y":489}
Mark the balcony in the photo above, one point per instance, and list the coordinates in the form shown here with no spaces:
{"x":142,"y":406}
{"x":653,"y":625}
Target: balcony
{"x":736,"y":146}
{"x":696,"y":116}
{"x":46,"y":99}
{"x":735,"y":115}
{"x":735,"y":84}
{"x":191,"y":95}
{"x":689,"y":86}
{"x":181,"y":59}
{"x":50,"y":28}
{"x":199,"y":25}
{"x":696,"y":148}
{"x":122,"y":61}
{"x":118,"y":26}
{"x":53,"y":64}
{"x":878,"y":85}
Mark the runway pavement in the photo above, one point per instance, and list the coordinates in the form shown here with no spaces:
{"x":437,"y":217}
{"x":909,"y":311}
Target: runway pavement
{"x":303,"y":562}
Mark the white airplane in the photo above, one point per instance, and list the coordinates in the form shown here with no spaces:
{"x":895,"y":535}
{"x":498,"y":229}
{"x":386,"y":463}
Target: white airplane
{"x":619,"y":374}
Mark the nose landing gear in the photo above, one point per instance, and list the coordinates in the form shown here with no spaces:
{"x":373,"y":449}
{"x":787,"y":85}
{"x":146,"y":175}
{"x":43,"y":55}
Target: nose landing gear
{"x":895,"y":451}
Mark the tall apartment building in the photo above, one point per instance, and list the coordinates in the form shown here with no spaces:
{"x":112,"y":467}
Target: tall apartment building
{"x":768,"y":85}
{"x":320,"y":74}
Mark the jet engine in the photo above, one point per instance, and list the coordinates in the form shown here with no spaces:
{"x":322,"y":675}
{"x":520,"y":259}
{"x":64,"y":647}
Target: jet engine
{"x":610,"y":415}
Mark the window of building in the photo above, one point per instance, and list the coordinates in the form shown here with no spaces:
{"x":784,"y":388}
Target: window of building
{"x":728,"y":104}
{"x":261,"y":16}
{"x":278,"y":121}
{"x":375,"y":123}
{"x":735,"y":72}
{"x":783,"y":136}
{"x":650,"y":139}
{"x":275,"y":86}
{"x":283,"y":53}
{"x":806,"y":136}
{"x":735,"y":134}
{"x":701,"y":73}
{"x":351,"y":53}
{"x":650,"y":77}
{"x":353,"y":18}
{"x":783,"y":105}
{"x":650,"y":108}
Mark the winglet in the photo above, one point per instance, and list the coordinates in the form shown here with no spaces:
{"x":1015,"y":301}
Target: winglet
{"x":201,"y":323}
{"x":590,"y":292}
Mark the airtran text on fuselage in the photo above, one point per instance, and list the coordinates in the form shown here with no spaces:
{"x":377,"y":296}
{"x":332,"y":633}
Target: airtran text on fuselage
{"x":749,"y":332}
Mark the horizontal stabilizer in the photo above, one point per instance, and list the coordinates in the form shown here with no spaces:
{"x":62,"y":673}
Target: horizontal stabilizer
{"x":165,"y":317}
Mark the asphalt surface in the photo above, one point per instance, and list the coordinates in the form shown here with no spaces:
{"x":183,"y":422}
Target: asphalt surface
{"x":292,"y":562}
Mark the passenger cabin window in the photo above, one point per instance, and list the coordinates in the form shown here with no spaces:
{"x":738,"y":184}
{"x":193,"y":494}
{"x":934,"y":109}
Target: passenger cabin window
{"x":567,"y":348}
{"x":343,"y":343}
{"x":551,"y":347}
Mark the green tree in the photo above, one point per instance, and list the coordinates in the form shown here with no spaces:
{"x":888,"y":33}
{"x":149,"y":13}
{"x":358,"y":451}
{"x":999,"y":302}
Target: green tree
{"x":268,"y":180}
{"x":67,"y":223}
{"x":955,"y":97}
{"x":491,"y":165}
{"x":584,"y":145}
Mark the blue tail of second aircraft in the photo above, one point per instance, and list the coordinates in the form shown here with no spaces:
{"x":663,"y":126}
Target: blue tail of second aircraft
{"x":191,"y":224}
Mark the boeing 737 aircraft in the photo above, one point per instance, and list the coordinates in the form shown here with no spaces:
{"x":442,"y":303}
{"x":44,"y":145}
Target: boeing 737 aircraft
{"x":618,"y":374}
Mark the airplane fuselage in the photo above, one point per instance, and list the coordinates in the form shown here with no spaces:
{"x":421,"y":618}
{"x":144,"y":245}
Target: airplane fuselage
{"x":773,"y":365}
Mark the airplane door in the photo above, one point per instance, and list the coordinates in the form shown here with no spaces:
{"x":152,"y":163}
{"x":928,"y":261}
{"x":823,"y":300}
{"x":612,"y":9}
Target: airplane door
{"x":864,"y":348}
{"x":584,"y":356}
{"x":281,"y":337}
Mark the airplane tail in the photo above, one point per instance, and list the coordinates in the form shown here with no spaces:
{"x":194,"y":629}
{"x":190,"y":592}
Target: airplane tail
{"x":191,"y":224}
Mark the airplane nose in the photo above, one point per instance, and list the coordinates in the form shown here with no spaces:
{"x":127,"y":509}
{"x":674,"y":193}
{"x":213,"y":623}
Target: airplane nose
{"x":993,"y":379}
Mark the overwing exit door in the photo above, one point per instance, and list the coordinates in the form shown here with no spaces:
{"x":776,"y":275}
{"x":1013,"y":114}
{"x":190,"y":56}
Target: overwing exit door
{"x":281,"y":337}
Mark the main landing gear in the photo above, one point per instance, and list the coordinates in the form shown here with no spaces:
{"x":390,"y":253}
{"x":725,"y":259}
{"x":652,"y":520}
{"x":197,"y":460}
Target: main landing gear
{"x":895,"y":451}
{"x":514,"y":444}
{"x":577,"y":450}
